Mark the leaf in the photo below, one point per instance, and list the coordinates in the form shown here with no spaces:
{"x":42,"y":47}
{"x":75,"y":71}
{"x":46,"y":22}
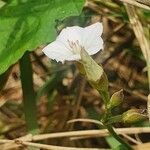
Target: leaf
{"x":25,"y":25}
{"x":114,"y":144}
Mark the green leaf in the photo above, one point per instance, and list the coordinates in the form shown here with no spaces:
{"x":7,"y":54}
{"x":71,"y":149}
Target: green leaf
{"x":114,"y":144}
{"x":29,"y":99}
{"x":25,"y":25}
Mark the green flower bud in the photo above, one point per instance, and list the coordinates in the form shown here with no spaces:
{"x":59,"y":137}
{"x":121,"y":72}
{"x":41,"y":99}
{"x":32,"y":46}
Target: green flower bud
{"x":116,"y":99}
{"x":133,"y":116}
{"x":94,"y":72}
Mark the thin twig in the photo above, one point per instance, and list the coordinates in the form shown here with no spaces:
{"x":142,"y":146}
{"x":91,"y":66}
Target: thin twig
{"x":26,"y":140}
{"x":131,"y":139}
{"x":85,"y":120}
{"x":52,"y":147}
{"x":92,"y":133}
{"x":99,"y":123}
{"x":138,"y":138}
{"x":79,"y":99}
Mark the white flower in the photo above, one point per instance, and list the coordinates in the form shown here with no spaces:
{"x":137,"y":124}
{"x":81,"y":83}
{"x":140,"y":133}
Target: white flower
{"x":71,"y":40}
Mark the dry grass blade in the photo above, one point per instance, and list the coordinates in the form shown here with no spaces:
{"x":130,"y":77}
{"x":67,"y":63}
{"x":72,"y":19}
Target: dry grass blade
{"x":138,"y":30}
{"x":12,"y":144}
{"x":131,"y":139}
{"x":124,"y":135}
{"x":145,"y":146}
{"x":27,"y":140}
{"x":146,"y":2}
{"x":139,"y":33}
{"x":92,"y":133}
{"x":85,"y":120}
{"x":52,"y":147}
{"x":132,"y":2}
{"x":43,"y":146}
{"x":98,"y":123}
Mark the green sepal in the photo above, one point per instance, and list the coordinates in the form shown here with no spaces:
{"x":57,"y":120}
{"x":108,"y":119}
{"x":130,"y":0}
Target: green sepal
{"x":116,"y":99}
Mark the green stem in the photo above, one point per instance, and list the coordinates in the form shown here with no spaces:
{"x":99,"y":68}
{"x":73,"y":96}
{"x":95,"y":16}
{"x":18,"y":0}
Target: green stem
{"x":29,"y":99}
{"x":114,"y":119}
{"x":106,"y":97}
{"x":113,"y":133}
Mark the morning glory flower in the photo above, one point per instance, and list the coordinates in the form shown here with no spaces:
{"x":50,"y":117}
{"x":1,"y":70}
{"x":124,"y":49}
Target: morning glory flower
{"x":71,"y":40}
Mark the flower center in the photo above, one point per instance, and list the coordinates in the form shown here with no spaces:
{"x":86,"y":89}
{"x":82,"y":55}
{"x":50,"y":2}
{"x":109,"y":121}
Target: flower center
{"x":75,"y":47}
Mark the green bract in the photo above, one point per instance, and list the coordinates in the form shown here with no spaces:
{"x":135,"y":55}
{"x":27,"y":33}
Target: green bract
{"x":28,"y":24}
{"x":116,"y":99}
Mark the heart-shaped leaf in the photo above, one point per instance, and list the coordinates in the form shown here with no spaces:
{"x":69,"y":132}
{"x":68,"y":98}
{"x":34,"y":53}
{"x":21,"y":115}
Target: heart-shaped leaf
{"x":27,"y":24}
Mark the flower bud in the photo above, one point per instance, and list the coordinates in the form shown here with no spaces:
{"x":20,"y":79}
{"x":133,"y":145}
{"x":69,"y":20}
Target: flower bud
{"x":133,"y":116}
{"x":94,"y":72}
{"x":116,"y":99}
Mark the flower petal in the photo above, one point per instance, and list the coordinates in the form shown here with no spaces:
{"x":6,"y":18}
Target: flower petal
{"x":71,"y":39}
{"x":57,"y":50}
{"x":92,"y":38}
{"x":72,"y":34}
{"x":96,"y":28}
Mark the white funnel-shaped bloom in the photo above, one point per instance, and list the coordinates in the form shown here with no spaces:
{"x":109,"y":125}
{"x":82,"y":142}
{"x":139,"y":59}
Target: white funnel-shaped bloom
{"x":71,"y":40}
